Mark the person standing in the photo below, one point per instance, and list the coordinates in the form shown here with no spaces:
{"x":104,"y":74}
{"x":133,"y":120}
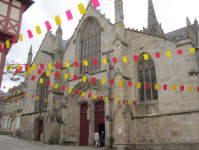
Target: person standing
{"x":96,"y":138}
{"x":102,"y":138}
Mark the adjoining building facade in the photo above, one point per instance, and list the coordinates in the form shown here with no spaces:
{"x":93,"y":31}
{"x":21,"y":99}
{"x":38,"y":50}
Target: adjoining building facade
{"x":11,"y":117}
{"x":160,"y":119}
{"x":2,"y":105}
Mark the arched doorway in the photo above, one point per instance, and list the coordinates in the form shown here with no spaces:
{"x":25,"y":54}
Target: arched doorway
{"x":40,"y":129}
{"x":84,"y":126}
{"x":99,"y":117}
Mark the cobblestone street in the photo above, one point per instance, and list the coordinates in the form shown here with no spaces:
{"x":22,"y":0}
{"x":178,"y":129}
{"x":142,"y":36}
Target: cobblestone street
{"x":13,"y":143}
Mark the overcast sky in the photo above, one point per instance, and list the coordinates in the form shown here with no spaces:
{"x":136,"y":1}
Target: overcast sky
{"x":170,"y":13}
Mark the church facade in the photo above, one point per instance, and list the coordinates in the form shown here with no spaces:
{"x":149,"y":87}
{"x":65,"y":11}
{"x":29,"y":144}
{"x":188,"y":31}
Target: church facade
{"x":163,"y":119}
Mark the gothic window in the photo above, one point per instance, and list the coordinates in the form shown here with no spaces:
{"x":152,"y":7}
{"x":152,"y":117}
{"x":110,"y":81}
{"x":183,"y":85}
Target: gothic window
{"x":147,"y":74}
{"x":90,"y":46}
{"x":42,"y":92}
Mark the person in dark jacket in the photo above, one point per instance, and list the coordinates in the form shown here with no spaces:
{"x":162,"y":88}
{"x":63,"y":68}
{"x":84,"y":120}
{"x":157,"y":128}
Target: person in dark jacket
{"x":102,"y":138}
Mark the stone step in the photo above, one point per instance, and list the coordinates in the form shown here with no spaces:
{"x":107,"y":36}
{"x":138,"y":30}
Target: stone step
{"x":5,"y":133}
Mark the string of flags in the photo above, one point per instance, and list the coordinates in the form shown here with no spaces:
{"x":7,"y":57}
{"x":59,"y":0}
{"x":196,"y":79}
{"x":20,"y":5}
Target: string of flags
{"x":69,"y":15}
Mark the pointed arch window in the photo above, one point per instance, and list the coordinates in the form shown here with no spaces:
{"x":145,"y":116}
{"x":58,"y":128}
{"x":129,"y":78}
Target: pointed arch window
{"x":147,"y":74}
{"x":42,"y":92}
{"x":90,"y":46}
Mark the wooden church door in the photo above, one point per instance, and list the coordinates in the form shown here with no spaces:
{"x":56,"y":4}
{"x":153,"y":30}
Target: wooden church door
{"x":84,"y":126}
{"x":40,"y":129}
{"x":99,"y":117}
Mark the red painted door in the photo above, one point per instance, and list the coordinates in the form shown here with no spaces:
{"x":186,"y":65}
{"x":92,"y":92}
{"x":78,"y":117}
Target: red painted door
{"x":84,"y":126}
{"x":99,"y":115}
{"x":40,"y":129}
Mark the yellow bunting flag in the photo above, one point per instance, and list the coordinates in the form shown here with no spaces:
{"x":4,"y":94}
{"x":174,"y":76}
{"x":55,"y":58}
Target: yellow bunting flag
{"x":28,"y":95}
{"x":41,"y":80}
{"x":12,"y":66}
{"x":95,"y":97}
{"x":19,"y":66}
{"x":83,"y":94}
{"x":19,"y":92}
{"x":38,"y":29}
{"x":82,"y":9}
{"x":85,"y":63}
{"x":9,"y":89}
{"x":48,"y":73}
{"x":56,"y":86}
{"x":19,"y":100}
{"x":6,"y":97}
{"x":104,"y":61}
{"x":25,"y":73}
{"x":168,"y":53}
{"x":70,"y":90}
{"x":8,"y":67}
{"x":129,"y":102}
{"x":146,"y":57}
{"x":13,"y":99}
{"x":156,"y":86}
{"x":37,"y":98}
{"x":50,"y":66}
{"x":7,"y":44}
{"x":174,"y":87}
{"x":118,"y":100}
{"x":138,"y":85}
{"x":20,"y":37}
{"x":33,"y":66}
{"x":45,"y":100}
{"x":192,"y":50}
{"x":84,"y":78}
{"x":67,"y":64}
{"x":120,"y":83}
{"x":103,"y":81}
{"x":29,"y":70}
{"x":57,"y":20}
{"x":106,"y":99}
{"x":124,"y":59}
{"x":66,"y":76}
{"x":190,"y":88}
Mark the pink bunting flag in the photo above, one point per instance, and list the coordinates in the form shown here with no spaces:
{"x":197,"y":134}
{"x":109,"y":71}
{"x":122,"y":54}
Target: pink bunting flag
{"x":101,"y":97}
{"x":42,"y":66}
{"x":4,"y":87}
{"x":58,"y":66}
{"x":48,"y":26}
{"x":76,"y":92}
{"x":180,"y":51}
{"x":1,"y":47}
{"x":76,"y":64}
{"x":135,"y":58}
{"x":30,"y":34}
{"x":63,"y":88}
{"x":157,"y":55}
{"x":69,"y":15}
{"x":13,"y":40}
{"x":95,"y":3}
{"x":26,"y":66}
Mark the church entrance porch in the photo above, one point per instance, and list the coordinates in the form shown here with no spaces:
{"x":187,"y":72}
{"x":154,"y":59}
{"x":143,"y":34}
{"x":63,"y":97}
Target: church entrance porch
{"x":99,"y":117}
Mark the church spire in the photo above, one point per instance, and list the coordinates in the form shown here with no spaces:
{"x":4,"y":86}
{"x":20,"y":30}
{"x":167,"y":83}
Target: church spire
{"x":119,"y":16}
{"x":29,"y":61}
{"x":153,"y":25}
{"x":58,"y":39}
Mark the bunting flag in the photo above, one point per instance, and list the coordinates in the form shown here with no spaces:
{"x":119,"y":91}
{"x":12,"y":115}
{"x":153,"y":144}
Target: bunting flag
{"x":8,"y":44}
{"x":19,"y":92}
{"x":173,"y":88}
{"x":67,"y":64}
{"x":95,"y":62}
{"x":33,"y":78}
{"x":164,"y":87}
{"x":25,"y":73}
{"x":138,"y":85}
{"x":69,"y":15}
{"x":56,"y":86}
{"x":57,"y":20}
{"x":95,"y":96}
{"x":93,"y":79}
{"x":48,"y":26}
{"x":33,"y":66}
{"x":104,"y":61}
{"x":129,"y":84}
{"x":179,"y":51}
{"x":28,"y":95}
{"x":106,"y":99}
{"x":76,"y":64}
{"x":49,"y":66}
{"x":47,"y":73}
{"x":198,"y":89}
{"x":12,"y":66}
{"x":56,"y":74}
{"x":84,"y":78}
{"x":120,"y":83}
{"x":1,"y":47}
{"x":30,"y":35}
{"x":101,"y":97}
{"x":9,"y":89}
{"x":157,"y":55}
{"x":75,"y":77}
{"x":41,"y":66}
{"x":147,"y":85}
{"x":13,"y":40}
{"x":124,"y":59}
{"x":38,"y":29}
{"x":111,"y":82}
{"x":118,"y":100}
{"x":168,"y":53}
{"x":82,"y":9}
{"x":4,"y":87}
{"x":129,"y":102}
{"x":32,"y":96}
{"x":156,"y":86}
{"x":24,"y":93}
{"x":190,"y":88}
{"x":20,"y":37}
{"x":114,"y":60}
{"x":39,"y":71}
{"x":66,"y":76}
{"x":103,"y":81}
{"x":135,"y":57}
{"x":58,"y":65}
{"x":26,"y":66}
{"x":41,"y":80}
{"x":83,"y":94}
{"x":41,"y":99}
{"x":89,"y":95}
{"x":95,"y":3}
{"x":146,"y":57}
{"x":63,"y":88}
{"x":85,"y":63}
{"x":123,"y":101}
{"x":45,"y":100}
{"x":112,"y":99}
{"x":76,"y":92}
{"x":182,"y":88}
{"x":48,"y":83}
{"x":192,"y":50}
{"x":70,"y":90}
{"x":134,"y":103}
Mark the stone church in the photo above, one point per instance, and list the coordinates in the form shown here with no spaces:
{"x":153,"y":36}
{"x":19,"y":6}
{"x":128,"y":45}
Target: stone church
{"x":160,"y":119}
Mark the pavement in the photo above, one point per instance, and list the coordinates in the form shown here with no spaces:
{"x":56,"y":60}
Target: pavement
{"x":14,"y":143}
